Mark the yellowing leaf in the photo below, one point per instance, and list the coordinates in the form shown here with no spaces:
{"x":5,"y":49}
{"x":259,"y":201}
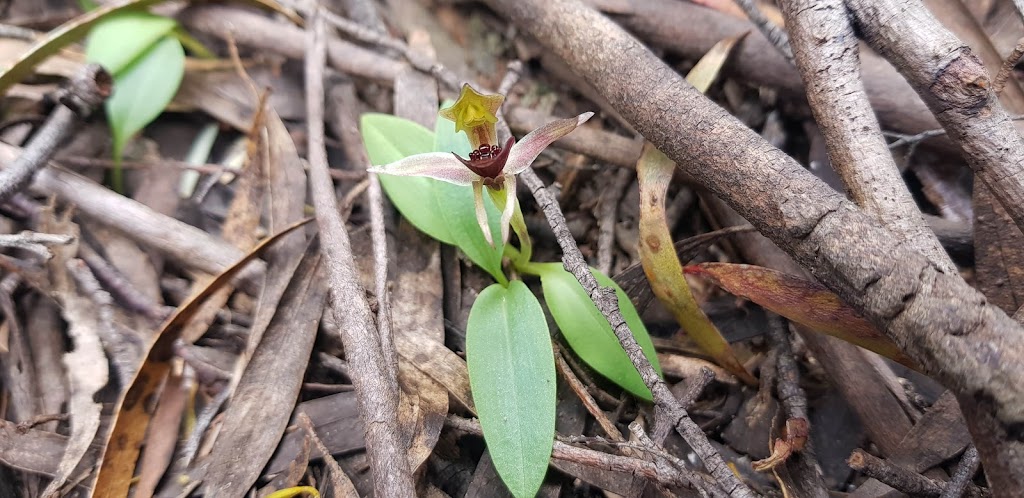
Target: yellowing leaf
{"x":663,"y":269}
{"x":802,"y":301}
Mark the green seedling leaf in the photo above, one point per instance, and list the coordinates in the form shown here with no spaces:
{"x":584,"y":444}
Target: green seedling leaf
{"x":665,"y":272}
{"x":441,"y":210}
{"x":76,"y":28}
{"x":119,"y":40}
{"x":512,"y":374}
{"x":143,"y":89}
{"x":803,"y":301}
{"x":588,"y":332}
{"x":64,"y":35}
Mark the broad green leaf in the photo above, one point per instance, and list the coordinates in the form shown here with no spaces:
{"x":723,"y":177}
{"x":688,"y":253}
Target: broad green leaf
{"x":444,"y":211}
{"x":589,"y":333}
{"x":143,"y":90}
{"x":665,"y":272}
{"x":803,"y":301}
{"x":388,"y":139}
{"x":117,"y":41}
{"x":512,"y":374}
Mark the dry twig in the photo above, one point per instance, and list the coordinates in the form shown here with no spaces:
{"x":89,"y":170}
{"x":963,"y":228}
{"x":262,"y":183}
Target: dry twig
{"x":84,"y":94}
{"x":902,"y":479}
{"x":828,"y":59}
{"x":773,"y":33}
{"x":369,"y":369}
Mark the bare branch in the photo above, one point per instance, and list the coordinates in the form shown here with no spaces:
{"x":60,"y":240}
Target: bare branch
{"x":85,"y":93}
{"x":374,"y":383}
{"x":955,"y":85}
{"x":773,"y":33}
{"x":828,"y":59}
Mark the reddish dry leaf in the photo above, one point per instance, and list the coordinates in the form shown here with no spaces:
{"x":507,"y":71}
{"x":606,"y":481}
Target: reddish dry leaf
{"x":132,"y":417}
{"x":802,"y":301}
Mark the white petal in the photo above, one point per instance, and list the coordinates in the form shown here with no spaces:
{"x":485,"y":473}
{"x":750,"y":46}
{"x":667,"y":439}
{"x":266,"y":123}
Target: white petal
{"x":525,"y":151}
{"x":510,"y":206}
{"x":481,"y":212}
{"x":437,"y":165}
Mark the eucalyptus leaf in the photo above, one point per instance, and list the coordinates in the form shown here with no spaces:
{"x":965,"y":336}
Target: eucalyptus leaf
{"x":512,"y":374}
{"x":588,"y":332}
{"x":444,"y":211}
{"x":143,"y":90}
{"x":117,"y":41}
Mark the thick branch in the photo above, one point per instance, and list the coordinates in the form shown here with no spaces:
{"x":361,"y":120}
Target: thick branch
{"x":829,"y":61}
{"x":954,"y":84}
{"x":939,"y":320}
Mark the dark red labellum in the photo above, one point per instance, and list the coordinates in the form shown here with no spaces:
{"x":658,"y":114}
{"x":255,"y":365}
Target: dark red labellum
{"x":488,"y":161}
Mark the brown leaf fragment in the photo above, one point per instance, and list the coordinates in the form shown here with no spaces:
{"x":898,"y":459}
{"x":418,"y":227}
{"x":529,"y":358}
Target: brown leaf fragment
{"x":132,"y":417}
{"x":255,"y":421}
{"x":163,"y":434}
{"x":803,"y":301}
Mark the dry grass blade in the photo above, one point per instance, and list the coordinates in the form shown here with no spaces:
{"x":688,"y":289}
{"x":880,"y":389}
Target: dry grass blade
{"x":132,"y":416}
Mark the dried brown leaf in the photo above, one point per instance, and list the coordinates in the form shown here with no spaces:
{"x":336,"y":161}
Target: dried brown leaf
{"x":132,"y":417}
{"x":803,"y":301}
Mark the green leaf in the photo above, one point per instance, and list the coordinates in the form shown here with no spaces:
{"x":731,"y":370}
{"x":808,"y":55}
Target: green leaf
{"x":143,"y":90}
{"x":444,"y":211}
{"x":589,"y":333}
{"x":388,"y":139}
{"x":512,"y":374}
{"x":117,"y":41}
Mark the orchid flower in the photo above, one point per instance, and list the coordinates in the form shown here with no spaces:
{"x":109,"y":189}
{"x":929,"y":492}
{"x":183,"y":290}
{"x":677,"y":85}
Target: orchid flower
{"x":490,"y":164}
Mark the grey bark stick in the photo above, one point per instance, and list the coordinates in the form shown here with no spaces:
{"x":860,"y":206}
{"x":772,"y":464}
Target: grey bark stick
{"x":827,"y":56}
{"x":369,"y":369}
{"x":607,"y":302}
{"x":957,"y":88}
{"x":91,"y":86}
{"x":773,"y":33}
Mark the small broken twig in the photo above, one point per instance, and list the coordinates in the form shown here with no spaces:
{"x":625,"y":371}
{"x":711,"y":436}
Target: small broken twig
{"x":83,"y":95}
{"x":1007,"y":68}
{"x":965,"y":470}
{"x":902,"y":479}
{"x":33,"y":242}
{"x":773,"y":33}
